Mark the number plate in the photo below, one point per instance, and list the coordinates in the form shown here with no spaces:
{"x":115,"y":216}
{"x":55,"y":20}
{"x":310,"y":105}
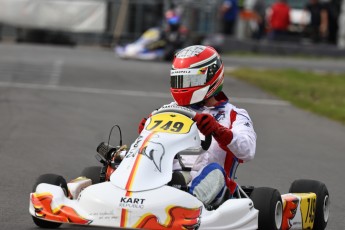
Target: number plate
{"x":170,"y":123}
{"x":308,"y":209}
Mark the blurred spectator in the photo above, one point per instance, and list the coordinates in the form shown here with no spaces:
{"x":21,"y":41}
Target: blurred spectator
{"x":229,"y":12}
{"x":333,"y":9}
{"x":173,"y":20}
{"x":241,"y":4}
{"x":175,"y":34}
{"x":259,"y":10}
{"x":279,"y":20}
{"x":318,"y":27}
{"x":341,"y":30}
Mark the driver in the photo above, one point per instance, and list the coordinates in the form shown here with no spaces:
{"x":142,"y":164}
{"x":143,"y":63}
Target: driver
{"x":197,"y":77}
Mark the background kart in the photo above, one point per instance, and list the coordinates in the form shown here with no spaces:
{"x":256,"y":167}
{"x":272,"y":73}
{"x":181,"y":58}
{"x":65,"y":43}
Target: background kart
{"x":127,"y":196}
{"x":148,"y":47}
{"x":154,"y":44}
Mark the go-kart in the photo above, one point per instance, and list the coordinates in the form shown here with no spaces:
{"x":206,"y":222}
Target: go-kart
{"x":153,"y":44}
{"x":149,"y":46}
{"x":138,"y":188}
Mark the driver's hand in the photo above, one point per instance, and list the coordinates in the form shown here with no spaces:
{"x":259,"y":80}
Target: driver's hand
{"x":142,"y":125}
{"x":206,"y":123}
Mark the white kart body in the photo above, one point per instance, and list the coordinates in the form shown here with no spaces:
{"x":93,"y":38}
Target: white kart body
{"x":137,"y":195}
{"x":138,"y":50}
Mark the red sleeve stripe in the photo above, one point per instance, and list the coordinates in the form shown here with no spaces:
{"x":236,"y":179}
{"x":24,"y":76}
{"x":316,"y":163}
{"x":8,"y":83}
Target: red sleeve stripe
{"x":231,"y":161}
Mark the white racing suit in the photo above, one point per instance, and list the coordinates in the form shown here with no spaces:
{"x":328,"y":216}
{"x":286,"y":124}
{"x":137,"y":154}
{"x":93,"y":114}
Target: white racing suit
{"x":213,"y":170}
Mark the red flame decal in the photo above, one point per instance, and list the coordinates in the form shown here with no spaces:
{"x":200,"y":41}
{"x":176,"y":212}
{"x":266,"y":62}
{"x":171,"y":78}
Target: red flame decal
{"x":178,"y":218}
{"x":291,"y":204}
{"x":42,"y":204}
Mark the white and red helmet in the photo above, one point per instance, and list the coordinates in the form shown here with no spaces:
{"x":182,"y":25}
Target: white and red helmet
{"x":197,"y":73}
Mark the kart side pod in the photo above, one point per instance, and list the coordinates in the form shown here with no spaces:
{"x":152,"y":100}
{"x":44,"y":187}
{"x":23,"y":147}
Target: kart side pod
{"x":306,"y":206}
{"x":299,"y":210}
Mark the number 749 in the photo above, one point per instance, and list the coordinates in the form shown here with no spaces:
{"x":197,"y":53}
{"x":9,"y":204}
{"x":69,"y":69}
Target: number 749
{"x":173,"y":126}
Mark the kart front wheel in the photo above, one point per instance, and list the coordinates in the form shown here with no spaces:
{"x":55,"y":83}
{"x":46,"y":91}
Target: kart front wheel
{"x":269,"y":203}
{"x":54,"y":180}
{"x":322,"y":199}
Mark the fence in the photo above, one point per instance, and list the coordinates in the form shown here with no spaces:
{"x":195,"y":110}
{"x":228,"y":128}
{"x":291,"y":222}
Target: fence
{"x":115,"y":20}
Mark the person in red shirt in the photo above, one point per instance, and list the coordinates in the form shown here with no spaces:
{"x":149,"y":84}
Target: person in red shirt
{"x":279,"y":19}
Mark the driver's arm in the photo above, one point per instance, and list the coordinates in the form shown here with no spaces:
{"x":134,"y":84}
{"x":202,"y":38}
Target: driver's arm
{"x":240,"y":137}
{"x":243,"y":143}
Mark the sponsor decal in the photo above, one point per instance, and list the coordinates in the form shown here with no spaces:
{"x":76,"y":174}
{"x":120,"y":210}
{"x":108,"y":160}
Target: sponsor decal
{"x":174,"y":106}
{"x":177,"y":218}
{"x":219,"y":116}
{"x":131,"y":202}
{"x":179,"y":72}
{"x":105,"y":215}
{"x":203,"y":70}
{"x":134,"y":149}
{"x":247,"y":124}
{"x":197,"y":72}
{"x":63,"y":213}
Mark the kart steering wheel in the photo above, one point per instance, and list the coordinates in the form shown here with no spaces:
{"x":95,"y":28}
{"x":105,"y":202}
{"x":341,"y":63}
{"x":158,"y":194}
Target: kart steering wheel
{"x":189,"y":113}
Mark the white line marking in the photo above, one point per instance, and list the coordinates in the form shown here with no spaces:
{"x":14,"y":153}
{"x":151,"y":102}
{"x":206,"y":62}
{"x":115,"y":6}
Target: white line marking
{"x":73,"y":89}
{"x":83,"y":90}
{"x":55,"y":75}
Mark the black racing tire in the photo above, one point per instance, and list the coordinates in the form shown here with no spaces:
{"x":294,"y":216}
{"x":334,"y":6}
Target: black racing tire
{"x":54,"y":180}
{"x":322,"y":199}
{"x":93,"y":173}
{"x":269,"y":203}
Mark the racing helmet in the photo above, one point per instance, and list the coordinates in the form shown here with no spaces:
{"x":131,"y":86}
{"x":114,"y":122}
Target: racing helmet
{"x":197,"y":73}
{"x":172,"y":18}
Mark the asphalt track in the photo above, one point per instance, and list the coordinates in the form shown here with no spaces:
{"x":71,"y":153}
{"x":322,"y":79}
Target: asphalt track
{"x":57,"y":104}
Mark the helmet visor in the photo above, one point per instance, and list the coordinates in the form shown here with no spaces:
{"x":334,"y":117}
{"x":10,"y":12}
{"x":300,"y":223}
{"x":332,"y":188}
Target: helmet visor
{"x":197,"y":76}
{"x":185,"y":78}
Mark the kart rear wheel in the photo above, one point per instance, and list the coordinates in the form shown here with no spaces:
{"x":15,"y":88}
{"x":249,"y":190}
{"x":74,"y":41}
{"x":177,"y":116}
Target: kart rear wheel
{"x":269,"y":203}
{"x":322,"y":199}
{"x":54,"y":180}
{"x":93,"y":173}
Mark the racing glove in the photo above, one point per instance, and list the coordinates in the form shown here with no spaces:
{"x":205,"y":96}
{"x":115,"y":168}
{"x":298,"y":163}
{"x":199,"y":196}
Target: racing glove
{"x":142,"y":125}
{"x":207,"y":125}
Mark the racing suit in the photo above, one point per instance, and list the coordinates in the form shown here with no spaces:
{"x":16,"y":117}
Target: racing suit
{"x":213,"y":170}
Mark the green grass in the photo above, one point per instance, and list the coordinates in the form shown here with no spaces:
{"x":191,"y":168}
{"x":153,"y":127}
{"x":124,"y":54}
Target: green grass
{"x":321,"y":93}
